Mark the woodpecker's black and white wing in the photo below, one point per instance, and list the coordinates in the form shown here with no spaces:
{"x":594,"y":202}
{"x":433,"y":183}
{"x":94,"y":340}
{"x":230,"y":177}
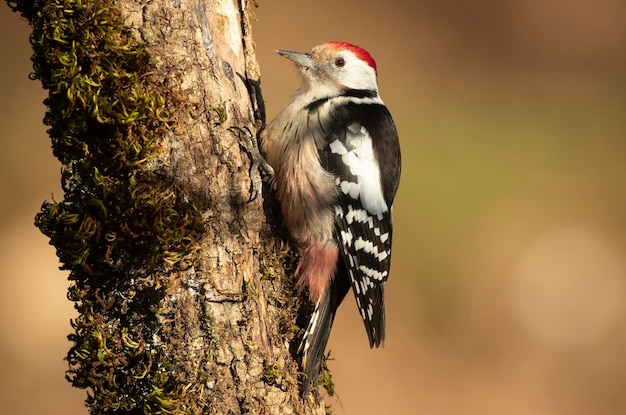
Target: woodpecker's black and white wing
{"x":363,"y":153}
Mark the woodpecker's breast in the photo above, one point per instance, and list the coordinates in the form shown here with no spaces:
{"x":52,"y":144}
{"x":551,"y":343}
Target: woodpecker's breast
{"x":305,"y":189}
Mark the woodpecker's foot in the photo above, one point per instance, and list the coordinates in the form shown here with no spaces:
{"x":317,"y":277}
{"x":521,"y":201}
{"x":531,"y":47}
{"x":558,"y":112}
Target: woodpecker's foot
{"x":259,"y":164}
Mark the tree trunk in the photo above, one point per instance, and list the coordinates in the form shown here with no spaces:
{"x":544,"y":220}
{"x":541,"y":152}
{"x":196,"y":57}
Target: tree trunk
{"x":184,"y":295}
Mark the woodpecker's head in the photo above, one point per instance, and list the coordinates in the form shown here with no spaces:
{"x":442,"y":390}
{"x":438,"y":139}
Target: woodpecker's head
{"x":334,"y":67}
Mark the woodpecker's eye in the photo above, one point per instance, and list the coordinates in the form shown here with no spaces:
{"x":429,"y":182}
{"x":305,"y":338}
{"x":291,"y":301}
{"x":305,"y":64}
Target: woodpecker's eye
{"x":340,"y":62}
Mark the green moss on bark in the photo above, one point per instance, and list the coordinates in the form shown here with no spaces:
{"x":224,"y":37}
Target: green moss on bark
{"x":122,"y":219}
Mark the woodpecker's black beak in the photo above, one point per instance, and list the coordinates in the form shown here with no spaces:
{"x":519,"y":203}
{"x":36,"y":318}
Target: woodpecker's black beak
{"x":300,"y":58}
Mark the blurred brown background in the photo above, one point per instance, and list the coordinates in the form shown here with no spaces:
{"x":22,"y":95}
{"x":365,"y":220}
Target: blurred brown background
{"x":507,"y":293}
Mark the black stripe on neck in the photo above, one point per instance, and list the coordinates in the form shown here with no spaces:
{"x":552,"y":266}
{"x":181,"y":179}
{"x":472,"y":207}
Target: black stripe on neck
{"x":359,"y":93}
{"x":352,"y":93}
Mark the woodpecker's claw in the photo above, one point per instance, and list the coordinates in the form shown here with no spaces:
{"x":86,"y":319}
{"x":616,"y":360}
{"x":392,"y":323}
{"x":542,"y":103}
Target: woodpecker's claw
{"x":259,"y":164}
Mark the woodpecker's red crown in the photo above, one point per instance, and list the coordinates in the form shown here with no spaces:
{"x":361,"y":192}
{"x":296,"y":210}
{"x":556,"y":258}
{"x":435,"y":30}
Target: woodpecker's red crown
{"x":359,"y":52}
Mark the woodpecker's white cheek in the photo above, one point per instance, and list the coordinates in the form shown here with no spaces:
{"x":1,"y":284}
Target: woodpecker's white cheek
{"x":357,"y":74}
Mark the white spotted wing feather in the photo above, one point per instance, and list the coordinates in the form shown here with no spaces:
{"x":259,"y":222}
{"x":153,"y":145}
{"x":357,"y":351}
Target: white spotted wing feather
{"x":363,"y":215}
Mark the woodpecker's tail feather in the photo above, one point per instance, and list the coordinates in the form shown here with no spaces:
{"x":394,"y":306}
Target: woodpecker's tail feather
{"x":317,"y":333}
{"x":372,"y":309}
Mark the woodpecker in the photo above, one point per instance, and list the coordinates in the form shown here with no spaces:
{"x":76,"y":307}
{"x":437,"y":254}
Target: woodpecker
{"x":335,"y":156}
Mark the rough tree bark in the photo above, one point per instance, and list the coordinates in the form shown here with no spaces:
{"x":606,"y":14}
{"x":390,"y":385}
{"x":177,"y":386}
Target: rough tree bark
{"x":184,"y":297}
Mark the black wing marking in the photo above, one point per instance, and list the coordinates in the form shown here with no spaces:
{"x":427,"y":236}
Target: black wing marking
{"x":362,"y":150}
{"x":365,"y":243}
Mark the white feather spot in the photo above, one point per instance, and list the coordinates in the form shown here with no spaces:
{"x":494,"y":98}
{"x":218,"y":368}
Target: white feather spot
{"x":362,"y":245}
{"x":372,"y":273}
{"x":358,"y":215}
{"x":364,"y":285}
{"x":310,"y":330}
{"x":339,"y":211}
{"x":346,"y":238}
{"x":337,"y":147}
{"x":350,"y":188}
